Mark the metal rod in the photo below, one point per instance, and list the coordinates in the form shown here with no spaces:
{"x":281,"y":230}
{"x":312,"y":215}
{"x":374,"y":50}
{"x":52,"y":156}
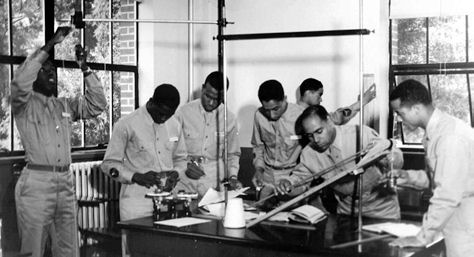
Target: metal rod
{"x":322,"y":33}
{"x":361,"y":126}
{"x":222,"y":69}
{"x":190,"y":51}
{"x":148,"y":21}
{"x":360,"y":241}
{"x":373,"y":154}
{"x":311,"y":177}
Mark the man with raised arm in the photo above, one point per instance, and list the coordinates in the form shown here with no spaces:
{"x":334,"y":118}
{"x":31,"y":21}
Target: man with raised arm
{"x":45,"y":192}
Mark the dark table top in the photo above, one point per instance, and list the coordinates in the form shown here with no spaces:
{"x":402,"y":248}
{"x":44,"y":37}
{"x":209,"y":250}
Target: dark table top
{"x":317,"y":239}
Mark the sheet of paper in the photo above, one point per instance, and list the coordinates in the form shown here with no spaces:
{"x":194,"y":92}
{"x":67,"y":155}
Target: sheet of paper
{"x":181,"y":222}
{"x":216,"y":209}
{"x":212,"y":196}
{"x":281,"y":216}
{"x":396,"y":229}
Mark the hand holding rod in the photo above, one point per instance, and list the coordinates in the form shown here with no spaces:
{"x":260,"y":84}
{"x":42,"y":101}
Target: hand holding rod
{"x":309,"y":178}
{"x":374,"y":153}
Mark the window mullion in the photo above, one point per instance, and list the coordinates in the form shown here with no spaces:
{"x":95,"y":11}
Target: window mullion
{"x":467,"y":39}
{"x":10,"y":53}
{"x":470,"y":98}
{"x":427,"y":40}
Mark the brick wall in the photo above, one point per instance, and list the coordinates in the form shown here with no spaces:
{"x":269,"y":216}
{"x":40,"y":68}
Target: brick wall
{"x":127,"y":52}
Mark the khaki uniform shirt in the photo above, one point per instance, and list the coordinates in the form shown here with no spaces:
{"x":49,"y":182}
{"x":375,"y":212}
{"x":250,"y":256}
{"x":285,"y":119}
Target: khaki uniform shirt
{"x":44,"y":122}
{"x":275,"y":143}
{"x":449,"y":145}
{"x":204,"y":136}
{"x":139,"y":145}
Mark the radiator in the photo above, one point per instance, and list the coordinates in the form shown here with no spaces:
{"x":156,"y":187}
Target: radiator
{"x":97,"y":195}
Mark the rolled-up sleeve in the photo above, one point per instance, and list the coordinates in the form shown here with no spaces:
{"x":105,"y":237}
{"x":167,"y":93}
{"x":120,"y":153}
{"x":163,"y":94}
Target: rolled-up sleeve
{"x":25,"y":76}
{"x":115,"y":154}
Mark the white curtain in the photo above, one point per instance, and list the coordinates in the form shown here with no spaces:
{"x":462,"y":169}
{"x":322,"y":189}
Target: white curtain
{"x":400,"y":9}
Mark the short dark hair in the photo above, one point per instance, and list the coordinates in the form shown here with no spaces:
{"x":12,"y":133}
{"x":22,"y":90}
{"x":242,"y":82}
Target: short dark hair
{"x":166,"y":94}
{"x":411,"y":92}
{"x":215,"y":80}
{"x":314,"y":110}
{"x":271,"y":90}
{"x":310,"y":84}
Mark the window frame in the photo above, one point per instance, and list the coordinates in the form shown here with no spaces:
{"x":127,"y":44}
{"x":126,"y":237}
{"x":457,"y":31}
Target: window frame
{"x":49,"y":22}
{"x":459,"y":68}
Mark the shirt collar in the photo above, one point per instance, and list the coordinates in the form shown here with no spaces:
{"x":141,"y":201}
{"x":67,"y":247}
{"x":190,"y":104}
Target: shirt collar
{"x":204,"y":112}
{"x":433,"y":123}
{"x":44,"y":99}
{"x":146,"y":114}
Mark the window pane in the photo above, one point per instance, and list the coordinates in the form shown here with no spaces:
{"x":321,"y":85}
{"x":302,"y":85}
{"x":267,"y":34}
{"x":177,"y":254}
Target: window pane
{"x":124,"y":32}
{"x":70,"y":85}
{"x":409,"y":41}
{"x":409,"y":136}
{"x":4,"y":27}
{"x":471,"y":37}
{"x":97,"y":34}
{"x":27,"y":26}
{"x":97,"y":129}
{"x":447,"y":37}
{"x":421,"y":78}
{"x":17,"y":145}
{"x":471,"y":84}
{"x":5,"y":115}
{"x":449,"y":93}
{"x":123,"y":94}
{"x":62,"y":11}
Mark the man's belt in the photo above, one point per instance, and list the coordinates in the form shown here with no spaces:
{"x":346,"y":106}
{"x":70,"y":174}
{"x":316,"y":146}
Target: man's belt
{"x":52,"y":168}
{"x":280,"y":168}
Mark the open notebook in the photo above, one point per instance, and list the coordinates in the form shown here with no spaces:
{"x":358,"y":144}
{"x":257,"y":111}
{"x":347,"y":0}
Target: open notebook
{"x":306,"y":214}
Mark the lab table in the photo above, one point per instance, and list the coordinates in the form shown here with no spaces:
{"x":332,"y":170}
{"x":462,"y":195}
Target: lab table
{"x":264,"y":239}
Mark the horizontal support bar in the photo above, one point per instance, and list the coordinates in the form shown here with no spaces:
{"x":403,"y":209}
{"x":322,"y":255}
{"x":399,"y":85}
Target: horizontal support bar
{"x":97,"y":66}
{"x":322,"y":33}
{"x":451,"y":65}
{"x":149,"y":21}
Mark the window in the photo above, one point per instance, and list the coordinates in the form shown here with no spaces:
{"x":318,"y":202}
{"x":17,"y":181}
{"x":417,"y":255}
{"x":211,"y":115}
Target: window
{"x":24,"y":27}
{"x":437,"y":52}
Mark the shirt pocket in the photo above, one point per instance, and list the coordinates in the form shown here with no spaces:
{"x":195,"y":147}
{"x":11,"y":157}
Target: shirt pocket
{"x":291,"y":142}
{"x":39,"y":126}
{"x":192,"y":138}
{"x":172,"y":143}
{"x":268,"y":138}
{"x":142,"y":151}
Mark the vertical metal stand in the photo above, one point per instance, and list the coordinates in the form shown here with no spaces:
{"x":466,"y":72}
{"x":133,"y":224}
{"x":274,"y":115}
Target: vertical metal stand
{"x":361,"y":122}
{"x":190,"y":51}
{"x":222,"y":68}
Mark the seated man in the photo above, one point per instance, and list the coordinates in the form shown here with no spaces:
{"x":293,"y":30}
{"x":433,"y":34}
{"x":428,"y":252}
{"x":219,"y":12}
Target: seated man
{"x":330,"y":144}
{"x":311,"y":93}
